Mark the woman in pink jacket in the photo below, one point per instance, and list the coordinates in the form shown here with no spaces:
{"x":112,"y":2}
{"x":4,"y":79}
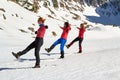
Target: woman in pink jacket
{"x":62,"y":40}
{"x":79,"y":38}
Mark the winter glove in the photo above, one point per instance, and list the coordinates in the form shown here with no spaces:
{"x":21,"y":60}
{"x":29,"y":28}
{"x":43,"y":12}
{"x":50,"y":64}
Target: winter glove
{"x":35,"y":32}
{"x":46,"y":27}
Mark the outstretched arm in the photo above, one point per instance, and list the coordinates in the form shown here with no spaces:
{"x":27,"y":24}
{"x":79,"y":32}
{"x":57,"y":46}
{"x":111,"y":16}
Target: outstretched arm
{"x":46,"y":26}
{"x":61,"y":27}
{"x":77,"y":27}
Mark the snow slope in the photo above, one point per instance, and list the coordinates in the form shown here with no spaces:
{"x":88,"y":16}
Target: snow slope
{"x":99,"y":60}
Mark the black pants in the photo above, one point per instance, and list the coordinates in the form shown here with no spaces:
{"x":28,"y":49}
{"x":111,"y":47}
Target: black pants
{"x":80,"y":42}
{"x":37,"y":45}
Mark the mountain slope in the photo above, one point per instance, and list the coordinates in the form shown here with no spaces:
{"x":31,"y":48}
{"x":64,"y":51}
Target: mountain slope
{"x":101,"y":48}
{"x":109,"y":12}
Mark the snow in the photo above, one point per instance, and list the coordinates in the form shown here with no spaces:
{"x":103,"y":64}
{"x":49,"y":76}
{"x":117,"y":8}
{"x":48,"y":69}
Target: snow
{"x":99,"y":60}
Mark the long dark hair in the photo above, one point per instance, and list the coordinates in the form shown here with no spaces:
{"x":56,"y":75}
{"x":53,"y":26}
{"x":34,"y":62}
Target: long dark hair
{"x":66,"y":24}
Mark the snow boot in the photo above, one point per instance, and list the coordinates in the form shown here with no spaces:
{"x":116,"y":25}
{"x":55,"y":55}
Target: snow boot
{"x":62,"y":55}
{"x":80,"y":51}
{"x":36,"y":66}
{"x":16,"y":55}
{"x":49,"y":49}
{"x":68,"y":46}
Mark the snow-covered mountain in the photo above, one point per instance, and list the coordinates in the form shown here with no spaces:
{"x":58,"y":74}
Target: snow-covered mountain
{"x":110,"y":8}
{"x":110,"y":11}
{"x":101,"y":48}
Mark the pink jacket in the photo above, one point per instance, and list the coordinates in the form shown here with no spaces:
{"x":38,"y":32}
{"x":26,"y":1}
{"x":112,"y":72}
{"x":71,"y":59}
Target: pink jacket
{"x":41,"y":31}
{"x":81,"y":32}
{"x":65,"y":32}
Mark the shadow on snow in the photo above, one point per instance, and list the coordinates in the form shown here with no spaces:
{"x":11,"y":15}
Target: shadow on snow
{"x":26,"y":59}
{"x":102,"y":20}
{"x":7,"y":68}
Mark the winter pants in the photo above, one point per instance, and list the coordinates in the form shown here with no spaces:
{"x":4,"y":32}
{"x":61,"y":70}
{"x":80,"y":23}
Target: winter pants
{"x":37,"y":45}
{"x":62,"y":42}
{"x":80,"y":42}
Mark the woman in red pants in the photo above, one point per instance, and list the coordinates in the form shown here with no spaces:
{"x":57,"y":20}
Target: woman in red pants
{"x":79,"y":38}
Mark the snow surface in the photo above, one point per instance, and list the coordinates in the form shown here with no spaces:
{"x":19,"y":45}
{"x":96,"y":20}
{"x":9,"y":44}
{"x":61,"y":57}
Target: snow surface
{"x":100,"y":59}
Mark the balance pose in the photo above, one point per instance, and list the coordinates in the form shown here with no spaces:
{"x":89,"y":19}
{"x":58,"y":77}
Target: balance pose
{"x":79,"y":38}
{"x":37,"y":43}
{"x":62,"y":40}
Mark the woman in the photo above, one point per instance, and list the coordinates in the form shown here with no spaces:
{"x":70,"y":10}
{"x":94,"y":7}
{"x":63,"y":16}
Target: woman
{"x":79,"y":38}
{"x":62,"y":40}
{"x":37,"y":43}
